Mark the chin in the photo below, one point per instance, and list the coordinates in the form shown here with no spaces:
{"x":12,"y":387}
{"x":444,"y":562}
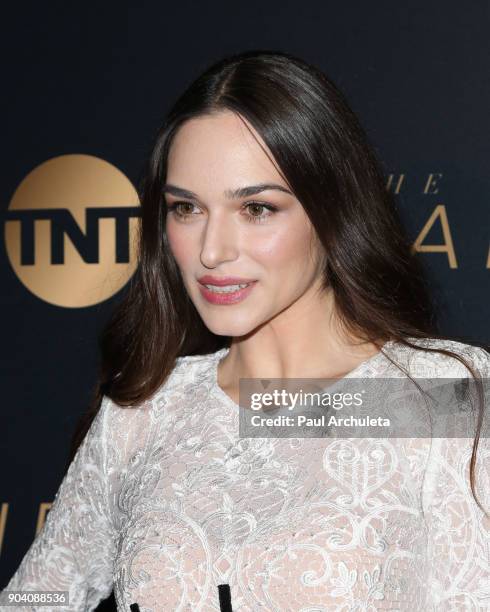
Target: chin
{"x":234,"y":328}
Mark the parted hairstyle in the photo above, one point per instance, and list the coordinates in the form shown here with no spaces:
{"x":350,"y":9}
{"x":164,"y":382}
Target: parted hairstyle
{"x":322,"y":152}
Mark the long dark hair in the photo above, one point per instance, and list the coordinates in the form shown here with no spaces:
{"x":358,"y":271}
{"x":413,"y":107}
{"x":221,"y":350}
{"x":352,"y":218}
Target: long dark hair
{"x":323,"y":154}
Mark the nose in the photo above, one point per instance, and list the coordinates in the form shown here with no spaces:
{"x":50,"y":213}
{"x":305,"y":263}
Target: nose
{"x":219,"y":241}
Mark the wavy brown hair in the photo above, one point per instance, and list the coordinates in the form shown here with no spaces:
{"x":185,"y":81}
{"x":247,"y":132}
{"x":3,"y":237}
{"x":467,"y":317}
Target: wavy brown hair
{"x":322,"y":152}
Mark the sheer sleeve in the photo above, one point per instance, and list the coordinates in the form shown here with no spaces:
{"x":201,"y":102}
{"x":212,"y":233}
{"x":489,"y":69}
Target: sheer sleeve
{"x":74,"y":550}
{"x":458,"y":530}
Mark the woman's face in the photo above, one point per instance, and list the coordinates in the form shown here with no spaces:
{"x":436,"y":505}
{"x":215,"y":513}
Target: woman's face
{"x":215,"y":233}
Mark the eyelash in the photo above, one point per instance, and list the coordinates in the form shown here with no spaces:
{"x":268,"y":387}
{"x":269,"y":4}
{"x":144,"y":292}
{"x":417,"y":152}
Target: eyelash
{"x":250,"y":218}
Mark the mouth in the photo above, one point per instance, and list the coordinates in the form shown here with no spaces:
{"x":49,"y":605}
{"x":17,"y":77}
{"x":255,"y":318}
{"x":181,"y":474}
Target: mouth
{"x":226,"y":294}
{"x":226,"y":288}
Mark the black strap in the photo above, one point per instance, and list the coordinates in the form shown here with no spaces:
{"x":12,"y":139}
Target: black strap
{"x":224,"y":598}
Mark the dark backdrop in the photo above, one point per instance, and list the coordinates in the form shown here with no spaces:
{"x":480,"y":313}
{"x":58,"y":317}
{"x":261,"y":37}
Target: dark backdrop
{"x":97,"y":79}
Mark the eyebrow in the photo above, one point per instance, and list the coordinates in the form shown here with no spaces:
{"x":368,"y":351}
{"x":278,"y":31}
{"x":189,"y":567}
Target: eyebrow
{"x":241,"y":192}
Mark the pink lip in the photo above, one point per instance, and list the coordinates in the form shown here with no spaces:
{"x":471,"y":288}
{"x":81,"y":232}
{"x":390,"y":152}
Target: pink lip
{"x":207,"y":279}
{"x":226,"y":298}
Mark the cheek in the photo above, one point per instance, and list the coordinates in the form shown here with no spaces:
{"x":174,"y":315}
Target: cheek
{"x":179,"y":244}
{"x":286,"y":249}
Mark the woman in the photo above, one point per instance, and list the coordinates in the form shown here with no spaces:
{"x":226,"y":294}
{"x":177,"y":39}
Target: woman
{"x":262,"y":177}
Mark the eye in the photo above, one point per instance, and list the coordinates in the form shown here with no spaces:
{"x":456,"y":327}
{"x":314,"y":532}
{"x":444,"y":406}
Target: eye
{"x":253,"y":218}
{"x":176,"y":209}
{"x":183,"y":210}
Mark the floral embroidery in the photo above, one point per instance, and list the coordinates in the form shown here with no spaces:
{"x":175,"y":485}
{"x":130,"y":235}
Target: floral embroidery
{"x":163,"y":502}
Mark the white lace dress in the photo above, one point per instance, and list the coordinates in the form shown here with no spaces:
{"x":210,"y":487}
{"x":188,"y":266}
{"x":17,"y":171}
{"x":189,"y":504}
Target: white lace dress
{"x":164,"y":502}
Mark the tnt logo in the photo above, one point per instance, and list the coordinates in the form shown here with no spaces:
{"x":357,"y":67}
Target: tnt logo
{"x":71,"y":230}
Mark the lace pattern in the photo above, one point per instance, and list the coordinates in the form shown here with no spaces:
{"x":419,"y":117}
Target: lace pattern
{"x":164,"y":501}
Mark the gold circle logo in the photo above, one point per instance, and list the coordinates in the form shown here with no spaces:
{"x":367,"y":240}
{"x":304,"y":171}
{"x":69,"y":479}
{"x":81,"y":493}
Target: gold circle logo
{"x":71,"y":230}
